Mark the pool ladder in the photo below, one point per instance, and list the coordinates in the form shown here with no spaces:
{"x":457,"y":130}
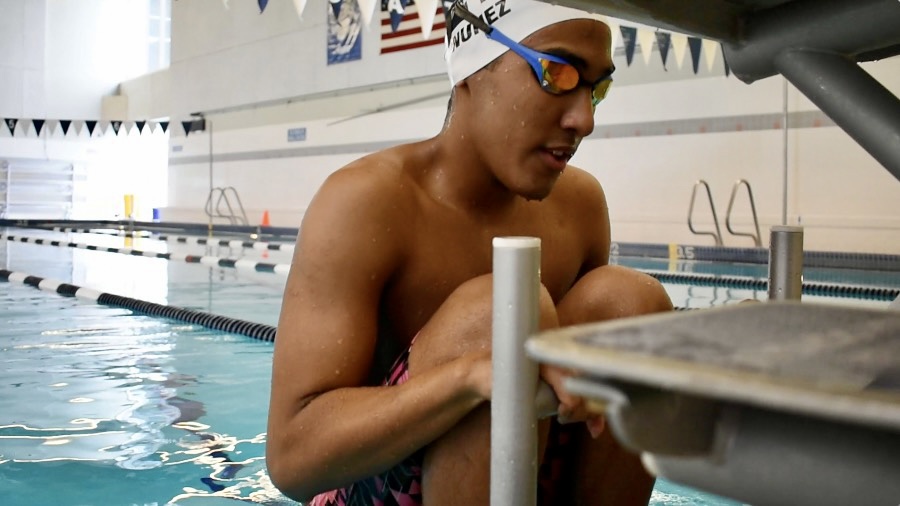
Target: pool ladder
{"x":717,"y":235}
{"x":230,"y":215}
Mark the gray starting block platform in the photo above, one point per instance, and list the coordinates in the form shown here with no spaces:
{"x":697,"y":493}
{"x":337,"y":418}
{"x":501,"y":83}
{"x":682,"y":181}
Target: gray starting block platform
{"x":773,"y":403}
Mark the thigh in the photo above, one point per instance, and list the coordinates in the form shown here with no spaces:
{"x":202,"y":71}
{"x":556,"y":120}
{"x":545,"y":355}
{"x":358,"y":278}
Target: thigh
{"x":456,"y":466}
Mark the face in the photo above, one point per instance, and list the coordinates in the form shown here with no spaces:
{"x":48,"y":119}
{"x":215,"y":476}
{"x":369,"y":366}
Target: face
{"x":525,"y":134}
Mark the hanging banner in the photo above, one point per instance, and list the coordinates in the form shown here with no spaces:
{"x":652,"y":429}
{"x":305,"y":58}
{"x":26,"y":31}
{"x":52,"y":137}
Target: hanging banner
{"x":629,"y":40}
{"x":344,"y":33}
{"x":115,"y":126}
{"x":91,"y":125}
{"x":140,"y":126}
{"x":408,"y":32}
{"x":262,"y":5}
{"x":64,"y":123}
{"x":38,"y":125}
{"x":11,"y":124}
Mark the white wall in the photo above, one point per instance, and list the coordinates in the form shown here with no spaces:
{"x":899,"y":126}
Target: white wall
{"x":846,"y":201}
{"x":22,"y":60}
{"x":59,"y":59}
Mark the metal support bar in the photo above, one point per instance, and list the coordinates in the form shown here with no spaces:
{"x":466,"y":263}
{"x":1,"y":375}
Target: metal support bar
{"x":786,"y":263}
{"x":858,"y":103}
{"x":514,"y":441}
{"x":832,"y":26}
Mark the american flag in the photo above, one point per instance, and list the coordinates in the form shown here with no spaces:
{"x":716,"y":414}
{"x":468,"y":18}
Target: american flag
{"x":408,"y":34}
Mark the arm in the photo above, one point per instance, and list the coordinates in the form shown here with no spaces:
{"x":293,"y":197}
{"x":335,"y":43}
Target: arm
{"x":326,"y":429}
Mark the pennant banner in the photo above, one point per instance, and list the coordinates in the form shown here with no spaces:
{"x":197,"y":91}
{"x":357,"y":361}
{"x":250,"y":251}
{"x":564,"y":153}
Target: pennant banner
{"x":695,"y":45}
{"x":629,"y":40}
{"x":663,"y":42}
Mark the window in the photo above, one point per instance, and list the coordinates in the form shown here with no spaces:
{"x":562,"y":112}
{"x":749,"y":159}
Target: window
{"x":159,"y":34}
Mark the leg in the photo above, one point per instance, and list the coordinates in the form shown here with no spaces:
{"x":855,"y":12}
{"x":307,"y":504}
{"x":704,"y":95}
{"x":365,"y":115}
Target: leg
{"x":457,"y":465}
{"x":603,"y":473}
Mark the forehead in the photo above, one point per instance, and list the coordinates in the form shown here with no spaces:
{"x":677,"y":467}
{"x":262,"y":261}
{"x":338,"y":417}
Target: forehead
{"x":587,"y":38}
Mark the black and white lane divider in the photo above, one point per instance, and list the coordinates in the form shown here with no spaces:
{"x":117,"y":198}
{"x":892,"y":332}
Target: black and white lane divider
{"x":259,"y":331}
{"x":213,"y":261}
{"x":211,"y":241}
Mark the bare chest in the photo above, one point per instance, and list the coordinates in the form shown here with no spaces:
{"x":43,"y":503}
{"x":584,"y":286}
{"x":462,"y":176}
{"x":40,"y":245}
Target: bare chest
{"x":452,"y":250}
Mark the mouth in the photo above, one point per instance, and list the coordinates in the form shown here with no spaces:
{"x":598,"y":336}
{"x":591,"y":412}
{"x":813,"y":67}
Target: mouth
{"x":558,"y":157}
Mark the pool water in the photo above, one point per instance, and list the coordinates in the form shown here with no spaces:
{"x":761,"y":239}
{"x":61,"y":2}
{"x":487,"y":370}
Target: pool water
{"x":99,"y":406}
{"x":102,"y":406}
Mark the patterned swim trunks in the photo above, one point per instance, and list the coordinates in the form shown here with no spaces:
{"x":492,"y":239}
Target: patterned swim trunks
{"x":399,"y":486}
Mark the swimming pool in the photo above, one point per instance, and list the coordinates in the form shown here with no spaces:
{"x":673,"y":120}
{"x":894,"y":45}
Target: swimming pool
{"x":102,"y":405}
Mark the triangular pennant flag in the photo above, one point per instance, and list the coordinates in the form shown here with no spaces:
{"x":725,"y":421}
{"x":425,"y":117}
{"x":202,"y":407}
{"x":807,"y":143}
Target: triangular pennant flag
{"x":11,"y":124}
{"x":262,"y":5}
{"x":115,"y":126}
{"x":64,"y":123}
{"x":335,"y":7}
{"x":187,"y":127}
{"x":103,"y":127}
{"x":366,"y":10}
{"x":695,"y":46}
{"x":725,"y":62}
{"x":140,"y":126}
{"x":710,"y":48}
{"x":679,"y":48}
{"x":38,"y":125}
{"x":645,"y":40}
{"x":299,"y":5}
{"x":396,"y":9}
{"x":663,"y":41}
{"x":225,"y":3}
{"x":79,"y":127}
{"x":91,"y":125}
{"x":164,"y":125}
{"x":629,"y":39}
{"x":427,"y":10}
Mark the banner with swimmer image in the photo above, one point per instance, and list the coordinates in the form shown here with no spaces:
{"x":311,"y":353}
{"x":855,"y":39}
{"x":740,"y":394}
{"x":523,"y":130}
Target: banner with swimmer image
{"x":344,"y":32}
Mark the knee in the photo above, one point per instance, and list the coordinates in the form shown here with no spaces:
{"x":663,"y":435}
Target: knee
{"x":611,"y":292}
{"x":463,"y":323}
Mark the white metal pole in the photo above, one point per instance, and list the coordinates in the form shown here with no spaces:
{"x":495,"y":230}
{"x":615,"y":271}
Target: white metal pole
{"x":516,"y":292}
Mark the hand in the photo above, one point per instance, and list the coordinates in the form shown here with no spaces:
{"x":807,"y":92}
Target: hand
{"x":572,"y":408}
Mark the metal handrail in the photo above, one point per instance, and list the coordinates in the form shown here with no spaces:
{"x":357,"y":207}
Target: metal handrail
{"x":757,"y":238}
{"x":717,"y":235}
{"x":223,"y":198}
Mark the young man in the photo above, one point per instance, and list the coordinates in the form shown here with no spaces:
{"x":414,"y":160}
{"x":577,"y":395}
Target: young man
{"x":381,"y":371}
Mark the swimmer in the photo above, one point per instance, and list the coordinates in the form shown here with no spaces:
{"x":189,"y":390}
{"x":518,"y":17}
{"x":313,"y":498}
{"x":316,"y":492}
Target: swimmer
{"x":381,"y":377}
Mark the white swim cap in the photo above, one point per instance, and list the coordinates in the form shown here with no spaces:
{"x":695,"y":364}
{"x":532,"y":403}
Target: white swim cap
{"x":468,"y":50}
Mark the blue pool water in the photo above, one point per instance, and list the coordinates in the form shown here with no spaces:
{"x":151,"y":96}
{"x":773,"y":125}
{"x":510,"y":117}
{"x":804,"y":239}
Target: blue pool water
{"x":102,"y":406}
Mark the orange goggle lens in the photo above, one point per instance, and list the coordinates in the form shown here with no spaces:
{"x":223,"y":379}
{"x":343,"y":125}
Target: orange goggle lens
{"x":561,"y":77}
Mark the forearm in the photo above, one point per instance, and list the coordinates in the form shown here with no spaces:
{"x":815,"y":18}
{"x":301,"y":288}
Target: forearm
{"x":347,"y":434}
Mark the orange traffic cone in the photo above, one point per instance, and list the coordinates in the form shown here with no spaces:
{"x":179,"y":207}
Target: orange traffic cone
{"x":265,"y":219}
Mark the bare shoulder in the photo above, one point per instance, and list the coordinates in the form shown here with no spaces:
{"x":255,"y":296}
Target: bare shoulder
{"x":580,"y":188}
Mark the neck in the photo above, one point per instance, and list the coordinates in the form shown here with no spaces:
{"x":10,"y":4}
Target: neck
{"x":462,"y":179}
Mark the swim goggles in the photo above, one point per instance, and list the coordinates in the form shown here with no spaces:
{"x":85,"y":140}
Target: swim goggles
{"x":554,"y":74}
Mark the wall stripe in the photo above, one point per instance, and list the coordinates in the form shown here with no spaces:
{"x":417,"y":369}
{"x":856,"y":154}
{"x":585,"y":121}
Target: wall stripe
{"x":750,"y":122}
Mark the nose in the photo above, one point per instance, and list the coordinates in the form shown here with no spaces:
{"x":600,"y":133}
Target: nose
{"x":579,"y":113}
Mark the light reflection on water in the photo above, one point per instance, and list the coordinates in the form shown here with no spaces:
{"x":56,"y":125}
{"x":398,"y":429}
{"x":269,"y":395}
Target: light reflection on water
{"x":98,"y":406}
